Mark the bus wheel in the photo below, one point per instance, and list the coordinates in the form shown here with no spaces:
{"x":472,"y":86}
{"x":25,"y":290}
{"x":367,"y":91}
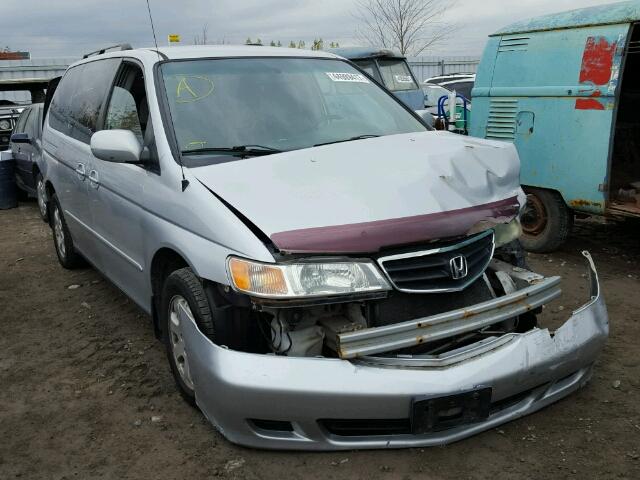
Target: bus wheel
{"x":546,"y":220}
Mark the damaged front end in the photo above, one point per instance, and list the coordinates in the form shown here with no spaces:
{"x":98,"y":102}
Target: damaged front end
{"x":390,"y":369}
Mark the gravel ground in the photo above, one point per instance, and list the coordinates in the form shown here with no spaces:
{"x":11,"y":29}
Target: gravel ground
{"x":86,"y":391}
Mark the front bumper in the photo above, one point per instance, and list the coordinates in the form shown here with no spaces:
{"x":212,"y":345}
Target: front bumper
{"x":526,"y":372}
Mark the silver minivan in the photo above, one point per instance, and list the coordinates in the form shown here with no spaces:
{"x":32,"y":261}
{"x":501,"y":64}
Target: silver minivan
{"x":325,"y":270}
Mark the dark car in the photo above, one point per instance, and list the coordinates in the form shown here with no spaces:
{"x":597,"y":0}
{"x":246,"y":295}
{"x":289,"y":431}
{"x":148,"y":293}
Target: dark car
{"x":26,"y":148}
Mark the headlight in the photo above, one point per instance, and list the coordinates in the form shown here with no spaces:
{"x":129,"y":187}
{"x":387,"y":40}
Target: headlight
{"x":507,"y":232}
{"x":295,"y":280}
{"x":5,"y":125}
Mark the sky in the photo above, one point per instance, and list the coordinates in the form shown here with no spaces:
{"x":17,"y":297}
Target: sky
{"x":68,"y":28}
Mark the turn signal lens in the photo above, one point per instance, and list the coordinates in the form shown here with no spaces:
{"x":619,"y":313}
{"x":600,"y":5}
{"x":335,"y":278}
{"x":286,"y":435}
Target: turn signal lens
{"x":257,"y":277}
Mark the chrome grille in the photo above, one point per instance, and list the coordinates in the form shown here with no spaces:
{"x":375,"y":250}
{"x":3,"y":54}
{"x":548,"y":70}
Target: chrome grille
{"x":438,"y":269}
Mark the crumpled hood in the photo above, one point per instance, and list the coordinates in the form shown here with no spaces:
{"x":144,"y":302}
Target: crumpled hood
{"x":364,"y":195}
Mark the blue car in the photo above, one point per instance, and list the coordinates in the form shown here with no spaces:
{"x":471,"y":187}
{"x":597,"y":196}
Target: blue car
{"x":389,"y":68}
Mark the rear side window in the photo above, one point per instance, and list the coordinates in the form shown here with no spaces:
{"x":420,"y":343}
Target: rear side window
{"x":32,"y":125}
{"x":76,"y":105}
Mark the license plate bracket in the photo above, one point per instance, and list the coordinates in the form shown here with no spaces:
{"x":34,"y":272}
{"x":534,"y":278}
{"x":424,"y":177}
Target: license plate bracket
{"x":441,"y":413}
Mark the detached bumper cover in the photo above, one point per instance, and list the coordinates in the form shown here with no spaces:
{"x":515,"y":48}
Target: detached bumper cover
{"x":525,"y":372}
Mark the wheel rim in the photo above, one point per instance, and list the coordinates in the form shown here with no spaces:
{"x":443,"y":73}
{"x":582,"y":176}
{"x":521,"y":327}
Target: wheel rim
{"x":177,"y":339}
{"x":58,"y":232}
{"x":534,"y":217}
{"x":42,"y":204}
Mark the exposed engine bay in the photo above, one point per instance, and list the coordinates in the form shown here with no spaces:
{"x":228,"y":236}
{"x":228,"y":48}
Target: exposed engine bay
{"x":325,"y":329}
{"x":497,"y":298}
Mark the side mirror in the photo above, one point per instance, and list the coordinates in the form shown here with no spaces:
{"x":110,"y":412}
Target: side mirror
{"x":20,"y":138}
{"x":119,"y":146}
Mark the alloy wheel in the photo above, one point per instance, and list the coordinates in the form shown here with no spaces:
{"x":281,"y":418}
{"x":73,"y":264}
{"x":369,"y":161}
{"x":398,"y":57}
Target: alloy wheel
{"x":58,"y":232}
{"x":177,"y":339}
{"x":41,"y":194}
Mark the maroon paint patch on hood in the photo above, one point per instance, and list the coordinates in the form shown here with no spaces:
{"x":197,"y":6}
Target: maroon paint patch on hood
{"x":370,"y":237}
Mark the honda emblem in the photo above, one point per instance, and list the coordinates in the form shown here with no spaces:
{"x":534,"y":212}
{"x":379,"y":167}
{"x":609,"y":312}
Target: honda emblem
{"x":458,"y":266}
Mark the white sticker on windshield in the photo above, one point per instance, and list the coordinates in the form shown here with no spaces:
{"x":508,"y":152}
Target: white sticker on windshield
{"x":347,"y":77}
{"x":403,"y":78}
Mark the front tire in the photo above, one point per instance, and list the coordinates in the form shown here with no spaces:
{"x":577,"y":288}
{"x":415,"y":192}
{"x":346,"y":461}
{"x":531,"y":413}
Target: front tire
{"x":62,"y":241}
{"x":546,"y":221}
{"x":183,"y":294}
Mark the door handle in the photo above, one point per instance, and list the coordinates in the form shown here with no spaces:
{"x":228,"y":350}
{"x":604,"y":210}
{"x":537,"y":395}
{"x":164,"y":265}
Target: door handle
{"x":93,"y":179}
{"x":80,"y":171}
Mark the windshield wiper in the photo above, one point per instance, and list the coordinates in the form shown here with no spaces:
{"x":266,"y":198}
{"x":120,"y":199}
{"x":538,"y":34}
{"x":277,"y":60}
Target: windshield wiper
{"x":357,"y":137}
{"x":242,"y":150}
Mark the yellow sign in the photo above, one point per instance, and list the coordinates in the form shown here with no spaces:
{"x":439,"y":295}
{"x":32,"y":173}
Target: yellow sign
{"x":174,"y":38}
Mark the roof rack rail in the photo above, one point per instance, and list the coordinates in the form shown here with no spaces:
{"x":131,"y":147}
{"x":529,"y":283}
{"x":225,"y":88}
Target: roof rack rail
{"x":120,"y":47}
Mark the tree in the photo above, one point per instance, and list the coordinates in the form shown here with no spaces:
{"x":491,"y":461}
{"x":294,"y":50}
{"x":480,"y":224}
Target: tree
{"x":202,"y":39}
{"x":301,"y":44}
{"x":292,"y":44}
{"x":272,"y":44}
{"x":410,"y":26}
{"x":258,"y":42}
{"x":317,"y":44}
{"x":248,"y":42}
{"x":278,"y":44}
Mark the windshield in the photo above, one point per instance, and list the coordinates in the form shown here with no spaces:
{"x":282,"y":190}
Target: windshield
{"x":250,"y":104}
{"x":396,"y":75}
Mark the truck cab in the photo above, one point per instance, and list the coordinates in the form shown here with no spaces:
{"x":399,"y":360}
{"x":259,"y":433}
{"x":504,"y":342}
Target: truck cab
{"x":389,"y":68}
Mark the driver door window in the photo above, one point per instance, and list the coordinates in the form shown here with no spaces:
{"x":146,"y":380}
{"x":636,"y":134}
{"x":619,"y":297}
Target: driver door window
{"x":123,"y":113}
{"x":128,"y":108}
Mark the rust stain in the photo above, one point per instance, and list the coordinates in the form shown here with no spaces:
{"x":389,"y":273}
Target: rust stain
{"x":578,"y":202}
{"x":597,"y":60}
{"x":588,"y":104}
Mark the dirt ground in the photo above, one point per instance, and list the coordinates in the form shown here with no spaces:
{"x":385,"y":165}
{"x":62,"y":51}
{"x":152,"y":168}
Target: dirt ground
{"x":86,"y":392}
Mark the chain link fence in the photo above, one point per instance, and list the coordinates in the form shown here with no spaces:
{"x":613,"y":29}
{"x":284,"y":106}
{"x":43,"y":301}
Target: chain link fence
{"x":426,"y":67}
